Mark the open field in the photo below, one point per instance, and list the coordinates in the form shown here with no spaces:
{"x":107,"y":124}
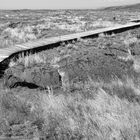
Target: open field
{"x":20,"y":26}
{"x":84,"y":90}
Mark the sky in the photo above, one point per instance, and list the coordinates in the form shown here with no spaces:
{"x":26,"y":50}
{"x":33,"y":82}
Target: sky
{"x":62,"y":4}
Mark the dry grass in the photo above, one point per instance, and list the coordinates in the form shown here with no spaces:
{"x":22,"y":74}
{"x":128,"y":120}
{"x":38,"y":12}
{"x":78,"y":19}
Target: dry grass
{"x":90,"y":112}
{"x":11,"y":36}
{"x":28,"y":60}
{"x":105,"y":117}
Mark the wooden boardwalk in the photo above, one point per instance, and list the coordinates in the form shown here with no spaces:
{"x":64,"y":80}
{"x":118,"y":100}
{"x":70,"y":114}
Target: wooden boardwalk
{"x":135,"y":20}
{"x":48,"y":42}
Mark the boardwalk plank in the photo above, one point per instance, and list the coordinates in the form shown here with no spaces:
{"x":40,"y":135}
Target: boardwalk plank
{"x":4,"y":53}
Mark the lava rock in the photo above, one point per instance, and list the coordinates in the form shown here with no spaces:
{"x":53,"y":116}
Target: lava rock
{"x":41,"y":76}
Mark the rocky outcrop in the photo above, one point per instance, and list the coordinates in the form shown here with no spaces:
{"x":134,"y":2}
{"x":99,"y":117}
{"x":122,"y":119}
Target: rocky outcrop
{"x":37,"y":76}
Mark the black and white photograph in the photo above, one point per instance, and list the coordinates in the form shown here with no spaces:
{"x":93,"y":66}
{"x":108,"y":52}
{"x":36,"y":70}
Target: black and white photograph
{"x":69,"y":69}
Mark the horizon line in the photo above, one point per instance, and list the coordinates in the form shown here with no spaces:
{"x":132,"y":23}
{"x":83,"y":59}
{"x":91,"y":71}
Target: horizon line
{"x":97,"y":8}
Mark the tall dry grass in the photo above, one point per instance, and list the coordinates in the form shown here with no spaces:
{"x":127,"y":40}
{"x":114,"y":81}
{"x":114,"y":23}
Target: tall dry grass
{"x":28,"y":60}
{"x":104,"y":117}
{"x":12,"y":36}
{"x":96,"y":111}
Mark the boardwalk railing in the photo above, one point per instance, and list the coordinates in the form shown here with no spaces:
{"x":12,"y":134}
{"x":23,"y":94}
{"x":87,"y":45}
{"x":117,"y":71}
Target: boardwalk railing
{"x":48,"y":42}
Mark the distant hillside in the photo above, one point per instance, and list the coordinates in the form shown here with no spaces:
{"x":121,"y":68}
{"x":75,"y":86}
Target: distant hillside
{"x":134,"y":7}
